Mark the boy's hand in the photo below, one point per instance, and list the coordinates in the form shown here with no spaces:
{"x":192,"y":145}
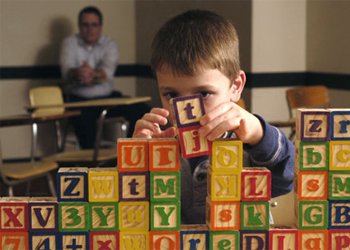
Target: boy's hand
{"x":229,"y":116}
{"x":149,"y":125}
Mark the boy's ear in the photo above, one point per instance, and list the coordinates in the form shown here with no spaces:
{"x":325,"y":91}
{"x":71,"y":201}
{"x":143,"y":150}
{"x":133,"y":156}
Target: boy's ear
{"x":237,"y":86}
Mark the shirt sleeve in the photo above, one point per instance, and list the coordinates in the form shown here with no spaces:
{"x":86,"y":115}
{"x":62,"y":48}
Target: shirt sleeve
{"x":110,"y":59}
{"x":67,"y":56}
{"x":276,"y":153}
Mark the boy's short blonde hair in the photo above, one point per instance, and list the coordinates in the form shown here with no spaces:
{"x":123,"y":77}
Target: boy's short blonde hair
{"x":196,"y":40}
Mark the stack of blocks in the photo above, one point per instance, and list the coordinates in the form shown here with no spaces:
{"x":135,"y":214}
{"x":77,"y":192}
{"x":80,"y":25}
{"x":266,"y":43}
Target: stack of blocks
{"x":323,"y":178}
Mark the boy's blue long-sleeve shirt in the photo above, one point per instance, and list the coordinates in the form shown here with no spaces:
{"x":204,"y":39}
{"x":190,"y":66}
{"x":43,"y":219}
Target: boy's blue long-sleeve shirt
{"x":274,"y":152}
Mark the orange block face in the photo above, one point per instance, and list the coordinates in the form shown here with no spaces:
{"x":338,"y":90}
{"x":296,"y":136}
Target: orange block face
{"x":313,"y":239}
{"x":132,"y":155}
{"x":164,"y":240}
{"x":312,"y":185}
{"x":223,"y":215}
{"x":14,"y":240}
{"x":164,"y":155}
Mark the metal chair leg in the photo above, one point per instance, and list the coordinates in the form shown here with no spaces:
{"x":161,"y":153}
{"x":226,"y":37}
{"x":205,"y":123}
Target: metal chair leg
{"x":51,"y":185}
{"x":10,"y":191}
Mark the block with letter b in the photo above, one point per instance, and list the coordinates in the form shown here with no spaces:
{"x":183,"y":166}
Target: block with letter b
{"x":227,"y":156}
{"x":256,"y":184}
{"x":339,"y":215}
{"x":72,"y":184}
{"x":132,"y":155}
{"x":312,"y":124}
{"x":340,"y":124}
{"x":164,"y":155}
{"x":103,"y":184}
{"x":313,"y":156}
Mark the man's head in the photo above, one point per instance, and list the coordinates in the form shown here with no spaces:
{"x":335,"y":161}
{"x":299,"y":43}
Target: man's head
{"x":194,"y":41}
{"x":90,"y":22}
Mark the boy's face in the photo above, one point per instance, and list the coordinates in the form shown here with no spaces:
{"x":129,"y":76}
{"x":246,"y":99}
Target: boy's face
{"x":215,"y":87}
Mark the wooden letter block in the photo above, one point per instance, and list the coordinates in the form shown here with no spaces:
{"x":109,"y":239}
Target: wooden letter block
{"x":13,"y":214}
{"x":339,"y":239}
{"x":224,"y":187}
{"x":73,"y":216}
{"x":134,"y":240}
{"x":194,"y":237}
{"x":339,"y":215}
{"x":312,"y":185}
{"x":255,"y":215}
{"x":224,"y":240}
{"x":223,"y":215}
{"x":187,"y":110}
{"x":132,"y":155}
{"x":192,"y":144}
{"x":313,"y":239}
{"x":76,"y":240}
{"x":43,"y":240}
{"x":104,"y":240}
{"x":339,"y":185}
{"x":164,"y":155}
{"x":283,"y":239}
{"x":256,"y":184}
{"x":313,"y":215}
{"x":43,"y":214}
{"x":103,"y":216}
{"x":312,"y":124}
{"x":72,"y":184}
{"x":160,"y":240}
{"x":134,"y":216}
{"x":165,"y":215}
{"x":103,"y":184}
{"x":339,"y":155}
{"x":13,"y":240}
{"x":134,"y":186}
{"x":340,"y":124}
{"x":313,"y":156}
{"x":165,"y":186}
{"x":251,"y":239}
{"x":227,"y":156}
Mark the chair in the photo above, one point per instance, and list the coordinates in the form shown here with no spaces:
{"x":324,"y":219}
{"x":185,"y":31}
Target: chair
{"x":306,"y":97}
{"x":52,"y":95}
{"x":16,"y":173}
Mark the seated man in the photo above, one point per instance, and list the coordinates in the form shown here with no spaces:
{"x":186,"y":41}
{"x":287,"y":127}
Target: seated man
{"x":88,"y":61}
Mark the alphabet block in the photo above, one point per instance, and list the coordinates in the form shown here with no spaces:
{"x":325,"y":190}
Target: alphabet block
{"x":223,"y":215}
{"x":227,"y":156}
{"x":339,"y":155}
{"x":224,"y":187}
{"x":339,"y":239}
{"x":164,"y":240}
{"x":72,"y":184}
{"x":312,"y":124}
{"x":104,"y":240}
{"x":134,"y":186}
{"x":132,"y":155}
{"x":256,"y":184}
{"x":251,"y":239}
{"x":191,"y":143}
{"x":313,"y":156}
{"x":134,"y":240}
{"x":43,"y":214}
{"x":73,"y":216}
{"x":164,"y":155}
{"x":339,"y":215}
{"x":165,"y":215}
{"x":103,"y":184}
{"x":255,"y":215}
{"x":313,"y":239}
{"x":13,"y":240}
{"x":340,"y":124}
{"x":134,"y":216}
{"x":224,"y":240}
{"x":313,"y":215}
{"x":103,"y":216}
{"x":283,"y":239}
{"x":74,"y":240}
{"x":187,"y":110}
{"x":339,"y":185}
{"x":43,"y":240}
{"x":165,"y":186}
{"x":312,"y":185}
{"x":194,"y":237}
{"x":14,"y":214}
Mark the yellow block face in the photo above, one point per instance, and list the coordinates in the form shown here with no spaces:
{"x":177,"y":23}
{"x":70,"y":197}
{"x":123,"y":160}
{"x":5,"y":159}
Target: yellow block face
{"x":134,"y":216}
{"x":224,"y":187}
{"x":103,"y":186}
{"x":227,"y":156}
{"x":134,"y":240}
{"x":339,"y":155}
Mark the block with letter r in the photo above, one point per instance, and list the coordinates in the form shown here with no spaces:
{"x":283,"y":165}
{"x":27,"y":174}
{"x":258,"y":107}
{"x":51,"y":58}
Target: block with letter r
{"x":72,"y":184}
{"x":340,"y":124}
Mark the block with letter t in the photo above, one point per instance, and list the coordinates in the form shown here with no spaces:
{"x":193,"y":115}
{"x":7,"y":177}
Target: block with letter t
{"x":134,"y":186}
{"x":72,"y":184}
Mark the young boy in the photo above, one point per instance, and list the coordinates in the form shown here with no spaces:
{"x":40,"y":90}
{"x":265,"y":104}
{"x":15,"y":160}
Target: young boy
{"x":197,"y":52}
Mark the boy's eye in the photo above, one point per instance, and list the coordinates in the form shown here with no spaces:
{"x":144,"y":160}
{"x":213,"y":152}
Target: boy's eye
{"x":205,"y":94}
{"x":169,"y":95}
